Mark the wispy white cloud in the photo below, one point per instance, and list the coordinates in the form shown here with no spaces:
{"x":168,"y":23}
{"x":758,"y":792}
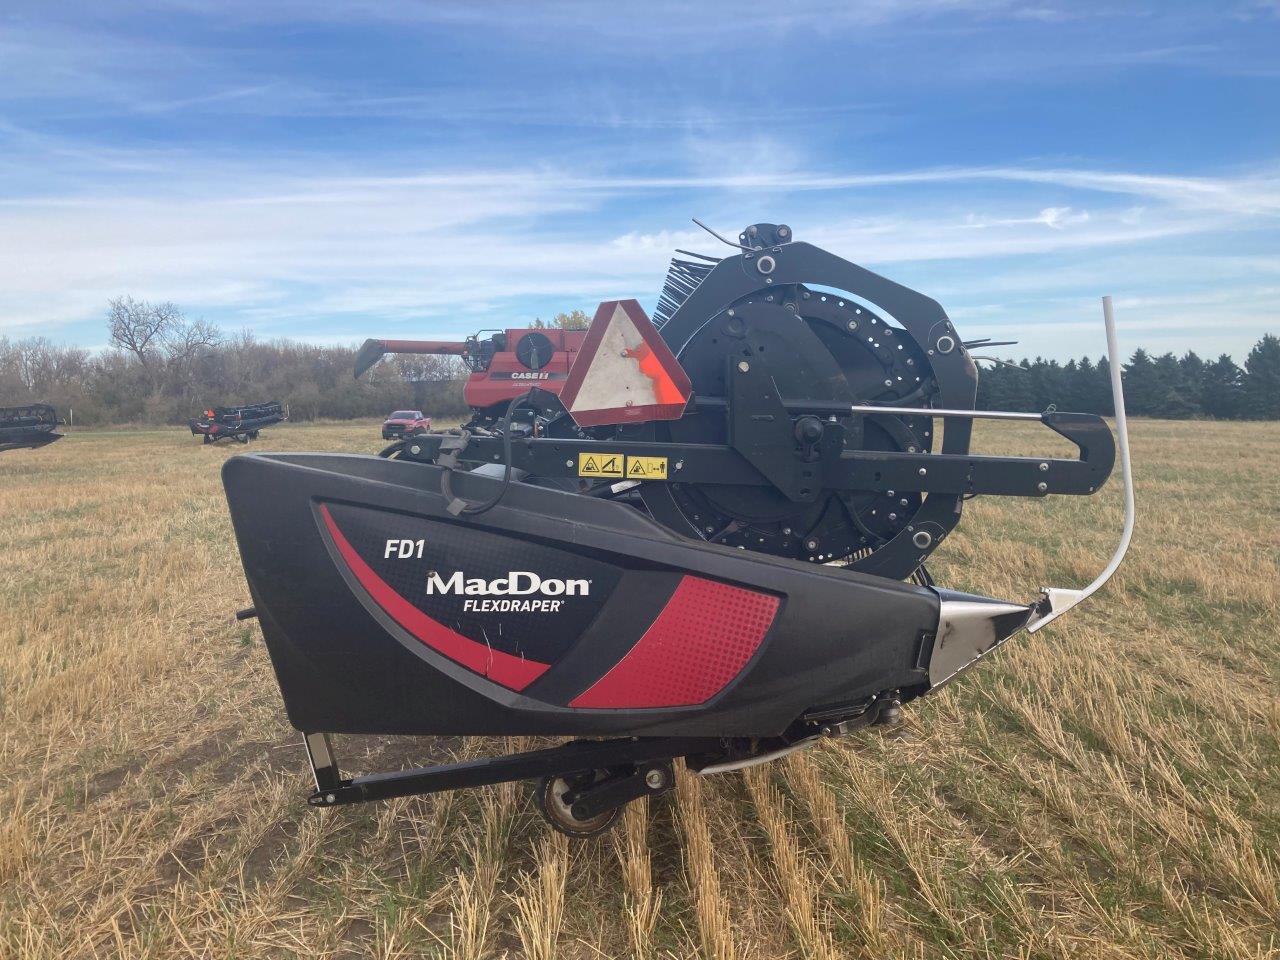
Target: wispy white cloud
{"x":656,"y":18}
{"x":455,"y":247}
{"x":226,"y":154}
{"x":227,"y":57}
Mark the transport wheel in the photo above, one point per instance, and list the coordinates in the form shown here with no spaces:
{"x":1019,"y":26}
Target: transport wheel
{"x":551,"y":798}
{"x":206,"y":438}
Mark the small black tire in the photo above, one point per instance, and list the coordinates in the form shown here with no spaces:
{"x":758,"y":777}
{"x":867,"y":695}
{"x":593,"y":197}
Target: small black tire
{"x":560,"y":816}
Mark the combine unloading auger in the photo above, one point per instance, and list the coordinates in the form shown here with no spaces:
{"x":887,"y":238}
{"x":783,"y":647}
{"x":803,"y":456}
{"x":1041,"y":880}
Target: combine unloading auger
{"x":706,"y":542}
{"x":31,"y":426}
{"x":502,"y":366}
{"x":239,"y":424}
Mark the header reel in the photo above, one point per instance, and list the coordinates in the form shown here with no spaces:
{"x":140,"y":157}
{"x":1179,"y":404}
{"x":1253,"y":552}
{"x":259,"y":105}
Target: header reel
{"x":829,"y":419}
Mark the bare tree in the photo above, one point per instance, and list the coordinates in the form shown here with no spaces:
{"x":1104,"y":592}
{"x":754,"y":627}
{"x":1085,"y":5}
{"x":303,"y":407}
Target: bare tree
{"x":139,"y":327}
{"x":184,"y":343}
{"x":186,"y":338}
{"x":419,"y":367}
{"x":165,"y":343}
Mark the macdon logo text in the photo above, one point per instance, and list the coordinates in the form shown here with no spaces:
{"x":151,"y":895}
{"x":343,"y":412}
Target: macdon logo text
{"x":516,"y":591}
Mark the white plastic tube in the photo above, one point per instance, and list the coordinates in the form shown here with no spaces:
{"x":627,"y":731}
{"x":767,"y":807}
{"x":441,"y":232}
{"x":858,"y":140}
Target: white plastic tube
{"x":1061,"y":599}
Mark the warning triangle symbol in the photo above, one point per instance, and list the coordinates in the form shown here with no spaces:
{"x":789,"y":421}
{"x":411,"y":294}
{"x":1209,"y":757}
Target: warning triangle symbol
{"x":624,"y":372}
{"x":590,"y":466}
{"x":637,"y":468}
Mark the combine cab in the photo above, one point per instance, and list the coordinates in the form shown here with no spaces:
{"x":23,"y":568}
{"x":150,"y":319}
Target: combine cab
{"x":704,"y":541}
{"x":32,"y":426}
{"x":240,"y":424}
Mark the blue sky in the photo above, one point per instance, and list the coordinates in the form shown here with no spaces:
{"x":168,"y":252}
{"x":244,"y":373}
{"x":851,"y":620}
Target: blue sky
{"x":335,"y":171}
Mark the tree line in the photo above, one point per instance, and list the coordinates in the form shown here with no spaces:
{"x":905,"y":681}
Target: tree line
{"x":162,"y":367}
{"x":1165,"y":386}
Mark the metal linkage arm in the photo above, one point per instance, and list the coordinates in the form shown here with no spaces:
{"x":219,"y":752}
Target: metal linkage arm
{"x":713,"y":464}
{"x":567,"y":758}
{"x":976,"y":474}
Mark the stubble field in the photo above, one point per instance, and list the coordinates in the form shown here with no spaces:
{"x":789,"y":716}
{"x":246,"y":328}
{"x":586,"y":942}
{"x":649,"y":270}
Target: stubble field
{"x":1109,"y":787}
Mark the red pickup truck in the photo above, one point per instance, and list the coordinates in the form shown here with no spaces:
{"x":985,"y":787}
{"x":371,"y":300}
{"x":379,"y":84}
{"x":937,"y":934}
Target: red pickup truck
{"x":405,"y":423}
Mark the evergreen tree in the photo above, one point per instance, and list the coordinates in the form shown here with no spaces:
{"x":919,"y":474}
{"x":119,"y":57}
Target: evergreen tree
{"x":1176,"y":396}
{"x":1165,"y":386}
{"x":1093,"y":387}
{"x":1262,"y":380}
{"x":1073,"y":394}
{"x":1102,"y":400}
{"x":1143,"y":391}
{"x":1019,"y":388}
{"x":1193,"y":378}
{"x":1221,"y":388}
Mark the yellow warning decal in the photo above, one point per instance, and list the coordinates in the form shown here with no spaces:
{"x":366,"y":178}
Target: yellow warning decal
{"x":600,"y":464}
{"x":646,"y":468}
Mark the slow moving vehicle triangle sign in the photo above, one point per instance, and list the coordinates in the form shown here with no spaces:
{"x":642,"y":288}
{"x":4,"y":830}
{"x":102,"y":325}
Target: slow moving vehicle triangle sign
{"x":625,"y":372}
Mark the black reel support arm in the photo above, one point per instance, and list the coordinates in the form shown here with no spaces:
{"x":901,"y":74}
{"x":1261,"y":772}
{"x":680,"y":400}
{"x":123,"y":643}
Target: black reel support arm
{"x":1004,"y":476}
{"x":724,"y":464}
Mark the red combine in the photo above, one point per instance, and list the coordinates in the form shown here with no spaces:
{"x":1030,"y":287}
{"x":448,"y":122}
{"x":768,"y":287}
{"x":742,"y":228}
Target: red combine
{"x":503,"y":365}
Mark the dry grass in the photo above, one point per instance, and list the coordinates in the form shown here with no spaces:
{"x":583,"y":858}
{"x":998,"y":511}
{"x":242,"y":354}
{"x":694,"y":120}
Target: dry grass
{"x":643,"y":901}
{"x":1108,"y":788}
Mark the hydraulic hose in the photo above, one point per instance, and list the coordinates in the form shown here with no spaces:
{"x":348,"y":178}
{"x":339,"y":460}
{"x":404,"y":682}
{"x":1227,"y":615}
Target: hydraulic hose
{"x":460,"y":506}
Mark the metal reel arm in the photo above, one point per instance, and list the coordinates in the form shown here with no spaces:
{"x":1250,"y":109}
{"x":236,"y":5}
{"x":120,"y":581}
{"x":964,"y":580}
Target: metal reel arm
{"x":718,"y":464}
{"x":980,"y":474}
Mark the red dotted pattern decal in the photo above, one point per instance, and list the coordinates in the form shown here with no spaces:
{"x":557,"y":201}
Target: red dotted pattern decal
{"x":700,"y":641}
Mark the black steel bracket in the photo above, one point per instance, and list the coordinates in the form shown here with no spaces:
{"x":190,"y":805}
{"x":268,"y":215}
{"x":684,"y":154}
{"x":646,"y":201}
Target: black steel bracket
{"x":854,"y":470}
{"x":570,"y":758}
